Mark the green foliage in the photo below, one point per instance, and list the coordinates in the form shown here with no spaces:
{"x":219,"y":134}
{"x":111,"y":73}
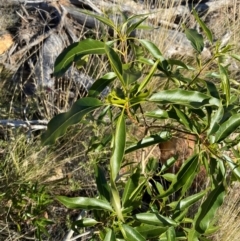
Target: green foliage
{"x":29,"y":205}
{"x":201,"y":105}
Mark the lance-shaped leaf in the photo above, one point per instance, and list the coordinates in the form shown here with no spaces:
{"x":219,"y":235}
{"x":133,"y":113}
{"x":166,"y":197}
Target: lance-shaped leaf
{"x":102,"y":184}
{"x":195,"y":38}
{"x":152,"y":48}
{"x":85,"y":222}
{"x":208,"y":209}
{"x":185,"y":120}
{"x":101,"y":84}
{"x":215,"y":121}
{"x":131,"y":185}
{"x":235,"y":167}
{"x":204,"y":27}
{"x":59,"y":124}
{"x":184,"y":174}
{"x":85,"y":203}
{"x":102,"y":19}
{"x":225,"y":83}
{"x":192,"y":99}
{"x":149,"y":141}
{"x":148,"y":77}
{"x":110,"y":236}
{"x":118,"y":146}
{"x":131,"y":234}
{"x":154,"y":219}
{"x":227,"y":128}
{"x":75,"y":52}
{"x":115,"y":63}
{"x":171,"y":234}
{"x":133,"y":26}
{"x":188,"y":201}
{"x":151,"y":231}
{"x":157,"y":114}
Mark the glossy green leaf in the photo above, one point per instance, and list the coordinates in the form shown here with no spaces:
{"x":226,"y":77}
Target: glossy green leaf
{"x":146,"y":80}
{"x":157,"y":114}
{"x":115,"y":63}
{"x":154,"y":219}
{"x":85,"y":203}
{"x":75,"y":52}
{"x":100,"y":18}
{"x":149,"y":141}
{"x":212,"y":89}
{"x":208,"y":209}
{"x":192,"y":99}
{"x":130,"y":187}
{"x":235,"y":167}
{"x":131,"y":234}
{"x":118,"y":146}
{"x":100,"y":84}
{"x":110,"y":236}
{"x":195,"y":38}
{"x":151,"y":231}
{"x":169,"y":163}
{"x":225,"y":83}
{"x":177,"y":63}
{"x":171,"y":234}
{"x":169,"y":176}
{"x":116,"y":201}
{"x":204,"y":27}
{"x":215,"y":121}
{"x":138,"y":191}
{"x":131,"y":75}
{"x":102,"y":185}
{"x":134,"y":26}
{"x":184,"y":119}
{"x":186,"y":172}
{"x":152,"y":48}
{"x":188,"y":201}
{"x":85,"y":222}
{"x":227,"y":128}
{"x":58,"y":125}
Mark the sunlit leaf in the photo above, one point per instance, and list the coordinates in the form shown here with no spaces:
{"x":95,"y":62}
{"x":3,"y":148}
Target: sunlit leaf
{"x":85,"y":222}
{"x":186,"y":172}
{"x":152,"y":48}
{"x":119,"y":146}
{"x":84,"y":203}
{"x":115,"y":63}
{"x":215,"y":121}
{"x":195,"y":38}
{"x":149,"y":141}
{"x":75,"y":52}
{"x":58,"y":125}
{"x":151,"y":231}
{"x":227,"y":128}
{"x":208,"y":208}
{"x":101,"y":84}
{"x":110,"y":236}
{"x":192,"y":99}
{"x":154,"y":219}
{"x":131,"y":234}
{"x":204,"y":27}
{"x":171,"y":234}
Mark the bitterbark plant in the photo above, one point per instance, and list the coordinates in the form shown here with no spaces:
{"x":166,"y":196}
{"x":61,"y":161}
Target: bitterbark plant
{"x":203,"y":106}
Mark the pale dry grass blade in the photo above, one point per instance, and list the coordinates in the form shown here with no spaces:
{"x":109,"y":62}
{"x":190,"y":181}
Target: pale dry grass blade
{"x":228,"y":217}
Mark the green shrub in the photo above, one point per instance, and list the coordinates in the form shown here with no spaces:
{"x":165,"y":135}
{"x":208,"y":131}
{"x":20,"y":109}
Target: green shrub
{"x":197,"y":102}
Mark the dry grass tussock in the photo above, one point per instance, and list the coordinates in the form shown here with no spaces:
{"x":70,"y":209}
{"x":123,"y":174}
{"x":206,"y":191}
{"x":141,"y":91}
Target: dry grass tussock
{"x":63,"y":168}
{"x":228,"y":217}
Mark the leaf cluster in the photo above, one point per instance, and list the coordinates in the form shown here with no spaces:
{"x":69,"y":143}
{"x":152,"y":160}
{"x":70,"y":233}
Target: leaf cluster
{"x":201,"y":104}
